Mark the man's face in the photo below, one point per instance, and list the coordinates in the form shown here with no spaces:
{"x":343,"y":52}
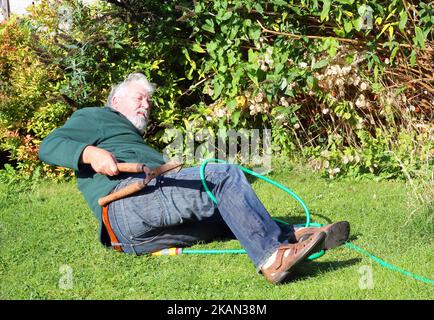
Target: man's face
{"x":134,"y":103}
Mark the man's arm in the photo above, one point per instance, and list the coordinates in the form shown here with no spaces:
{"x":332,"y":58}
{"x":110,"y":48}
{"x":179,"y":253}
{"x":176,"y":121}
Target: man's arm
{"x":73,"y":144}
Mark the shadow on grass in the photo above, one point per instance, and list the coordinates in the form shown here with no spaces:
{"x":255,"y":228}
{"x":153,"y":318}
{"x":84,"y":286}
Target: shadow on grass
{"x":292,"y":220}
{"x":302,"y":221}
{"x":311,"y":269}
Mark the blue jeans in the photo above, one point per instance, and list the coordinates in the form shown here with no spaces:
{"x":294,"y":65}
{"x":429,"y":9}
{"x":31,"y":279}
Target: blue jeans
{"x":174,"y":210}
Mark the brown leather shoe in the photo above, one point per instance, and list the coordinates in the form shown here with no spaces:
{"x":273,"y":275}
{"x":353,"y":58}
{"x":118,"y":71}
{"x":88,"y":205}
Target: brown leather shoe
{"x":289,"y":255}
{"x":336,"y":234}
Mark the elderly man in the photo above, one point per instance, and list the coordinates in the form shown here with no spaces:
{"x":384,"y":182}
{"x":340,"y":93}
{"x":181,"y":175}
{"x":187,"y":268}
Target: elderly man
{"x":174,"y":209}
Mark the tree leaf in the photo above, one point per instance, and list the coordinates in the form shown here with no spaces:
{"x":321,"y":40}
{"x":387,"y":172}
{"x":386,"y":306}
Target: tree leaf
{"x":278,"y":67}
{"x":331,"y":45}
{"x":394,"y":52}
{"x":197,"y":48}
{"x":402,"y":20}
{"x":420,"y":37}
{"x":390,"y":33}
{"x":211,"y":47}
{"x":325,"y":10}
{"x":259,"y":8}
{"x":348,"y":26}
{"x":358,"y":23}
{"x":226,"y":16}
{"x":231,"y":58}
{"x":280,"y":3}
{"x":254,"y":32}
{"x":253,"y":76}
{"x":235,"y":117}
{"x":231,"y":105}
{"x":413,"y":57}
{"x":320,"y":64}
{"x":218,"y":87}
{"x":209,"y":26}
{"x":362,"y":10}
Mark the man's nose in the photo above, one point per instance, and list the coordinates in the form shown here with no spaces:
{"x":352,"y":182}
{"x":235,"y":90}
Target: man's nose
{"x":145,"y":104}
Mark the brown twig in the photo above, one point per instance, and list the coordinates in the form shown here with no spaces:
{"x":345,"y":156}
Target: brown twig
{"x":421,"y":81}
{"x":296,"y":36}
{"x":353,"y":41}
{"x":404,"y":2}
{"x":190,"y":89}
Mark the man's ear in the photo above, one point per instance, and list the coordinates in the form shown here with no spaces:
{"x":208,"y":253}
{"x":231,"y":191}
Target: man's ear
{"x":115,"y":102}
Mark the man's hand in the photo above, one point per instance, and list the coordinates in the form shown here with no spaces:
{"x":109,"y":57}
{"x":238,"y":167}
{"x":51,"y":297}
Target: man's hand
{"x":101,"y":160}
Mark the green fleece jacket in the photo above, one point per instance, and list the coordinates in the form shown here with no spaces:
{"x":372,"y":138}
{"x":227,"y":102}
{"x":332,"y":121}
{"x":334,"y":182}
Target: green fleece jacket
{"x":104,"y":128}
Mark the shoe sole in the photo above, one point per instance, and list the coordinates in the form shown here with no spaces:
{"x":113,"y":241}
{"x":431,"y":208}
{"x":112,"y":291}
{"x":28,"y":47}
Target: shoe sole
{"x":317,"y":245}
{"x":337,"y":235}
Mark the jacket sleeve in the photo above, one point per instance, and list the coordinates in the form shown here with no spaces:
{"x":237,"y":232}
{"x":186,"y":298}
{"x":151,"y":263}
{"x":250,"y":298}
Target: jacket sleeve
{"x":63,"y":146}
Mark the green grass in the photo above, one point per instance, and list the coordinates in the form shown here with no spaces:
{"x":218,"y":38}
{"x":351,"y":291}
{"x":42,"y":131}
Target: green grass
{"x":50,"y":226}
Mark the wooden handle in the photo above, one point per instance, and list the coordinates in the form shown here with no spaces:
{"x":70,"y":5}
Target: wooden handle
{"x":172,"y":166}
{"x":124,"y":192}
{"x":137,"y":186}
{"x":131,"y":167}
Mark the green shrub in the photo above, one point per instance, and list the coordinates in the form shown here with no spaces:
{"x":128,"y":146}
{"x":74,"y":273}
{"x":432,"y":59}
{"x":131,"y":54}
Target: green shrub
{"x":335,"y":81}
{"x":317,"y":73}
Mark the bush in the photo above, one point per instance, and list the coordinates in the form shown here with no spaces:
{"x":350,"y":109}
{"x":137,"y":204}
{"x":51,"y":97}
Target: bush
{"x":320,"y":78}
{"x":339,"y":82}
{"x":26,"y":92}
{"x":71,"y":65}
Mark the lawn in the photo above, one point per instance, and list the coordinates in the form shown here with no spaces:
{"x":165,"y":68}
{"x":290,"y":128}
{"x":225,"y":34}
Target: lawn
{"x":49,"y":248}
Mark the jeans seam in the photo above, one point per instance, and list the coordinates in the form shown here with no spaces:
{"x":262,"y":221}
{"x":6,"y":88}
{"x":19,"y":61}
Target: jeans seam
{"x":129,"y":234}
{"x":126,"y":225}
{"x":163,"y":208}
{"x":230,"y":188}
{"x":122,"y":212}
{"x":115,"y":216}
{"x":142,"y":242}
{"x":275,"y":246}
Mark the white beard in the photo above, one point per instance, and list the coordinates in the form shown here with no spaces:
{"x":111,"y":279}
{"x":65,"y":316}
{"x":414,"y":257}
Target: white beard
{"x":140,"y":122}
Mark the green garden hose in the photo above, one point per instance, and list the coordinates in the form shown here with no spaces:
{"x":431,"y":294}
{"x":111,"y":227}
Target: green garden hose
{"x":308,"y":223}
{"x":274,"y":183}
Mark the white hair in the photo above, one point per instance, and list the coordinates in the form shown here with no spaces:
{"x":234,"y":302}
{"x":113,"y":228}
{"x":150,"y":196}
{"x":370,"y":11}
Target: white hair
{"x":132,"y":78}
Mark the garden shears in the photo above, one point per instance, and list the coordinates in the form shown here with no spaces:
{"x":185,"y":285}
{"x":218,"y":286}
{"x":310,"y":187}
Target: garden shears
{"x":172,"y":166}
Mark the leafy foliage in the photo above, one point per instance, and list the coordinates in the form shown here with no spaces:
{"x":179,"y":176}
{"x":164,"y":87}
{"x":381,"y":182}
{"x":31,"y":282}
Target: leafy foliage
{"x":344,"y":83}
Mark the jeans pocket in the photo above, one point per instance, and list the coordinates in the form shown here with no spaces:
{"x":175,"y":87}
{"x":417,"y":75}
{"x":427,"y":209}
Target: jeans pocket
{"x":142,"y":214}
